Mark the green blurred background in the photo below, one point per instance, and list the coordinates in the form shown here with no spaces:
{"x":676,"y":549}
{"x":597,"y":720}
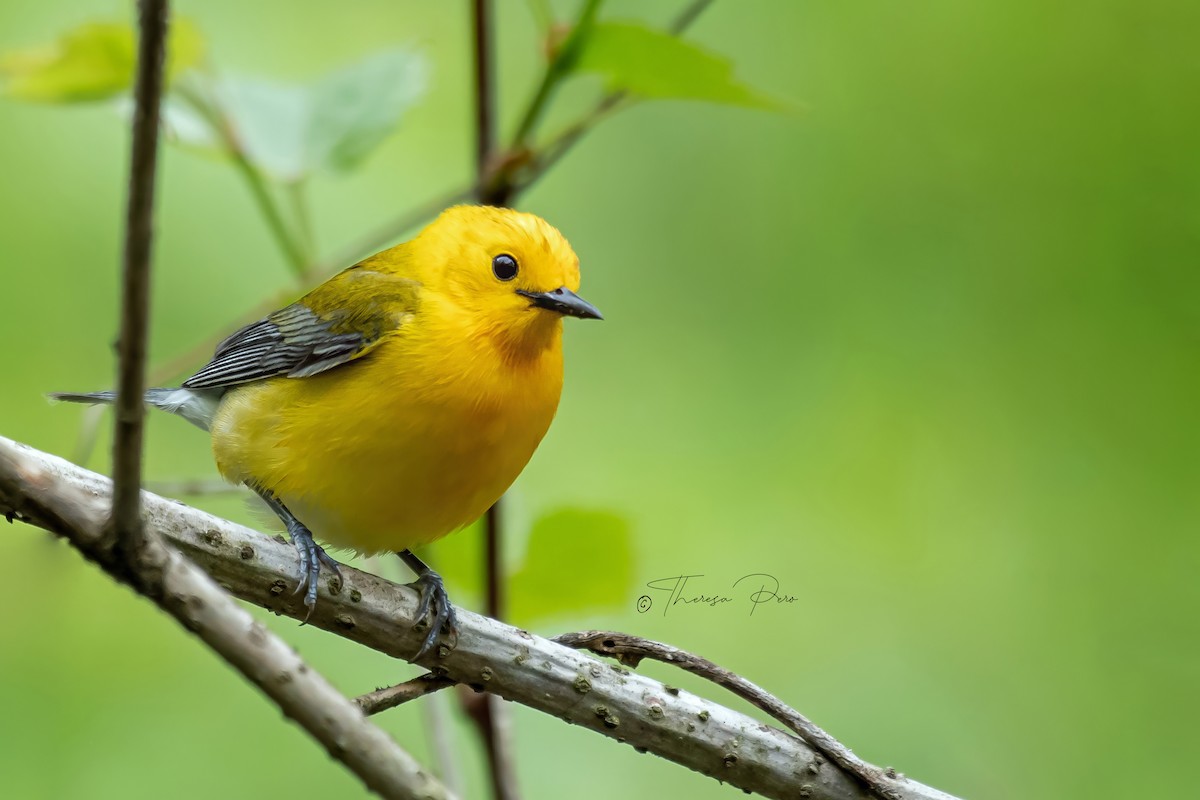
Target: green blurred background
{"x":927,"y":352}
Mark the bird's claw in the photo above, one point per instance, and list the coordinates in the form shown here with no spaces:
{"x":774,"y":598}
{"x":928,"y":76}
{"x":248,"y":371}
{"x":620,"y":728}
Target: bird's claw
{"x":312,"y":556}
{"x":435,"y":603}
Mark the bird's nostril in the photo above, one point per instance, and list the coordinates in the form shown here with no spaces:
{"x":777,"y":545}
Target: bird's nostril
{"x":558,"y":290}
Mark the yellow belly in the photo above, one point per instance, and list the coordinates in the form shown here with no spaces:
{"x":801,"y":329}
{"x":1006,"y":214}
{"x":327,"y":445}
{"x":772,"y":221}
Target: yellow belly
{"x":391,"y":451}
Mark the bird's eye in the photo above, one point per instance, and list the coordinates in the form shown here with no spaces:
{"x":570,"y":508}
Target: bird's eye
{"x":504,"y":267}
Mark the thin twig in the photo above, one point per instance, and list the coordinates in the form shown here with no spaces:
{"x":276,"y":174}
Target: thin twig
{"x":135,"y":279}
{"x":548,"y":154}
{"x":270,"y":209}
{"x":436,"y":715}
{"x":493,"y":562}
{"x":485,"y":97}
{"x":491,"y":716}
{"x":556,"y":69}
{"x":392,"y":696}
{"x":689,"y":15}
{"x":89,"y":431}
{"x":306,"y":237}
{"x":222,"y":124}
{"x":630,"y":650}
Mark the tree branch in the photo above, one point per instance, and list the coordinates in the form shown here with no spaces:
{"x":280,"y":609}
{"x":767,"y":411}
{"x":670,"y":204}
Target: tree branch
{"x":516,"y":665}
{"x":485,"y":95}
{"x":557,"y":67}
{"x":689,"y":15}
{"x":204,"y":101}
{"x":382,"y":699}
{"x":74,"y":504}
{"x":630,"y":650}
{"x":135,"y":279}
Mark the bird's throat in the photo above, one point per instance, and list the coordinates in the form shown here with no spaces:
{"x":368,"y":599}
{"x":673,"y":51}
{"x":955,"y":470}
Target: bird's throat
{"x":530,"y":341}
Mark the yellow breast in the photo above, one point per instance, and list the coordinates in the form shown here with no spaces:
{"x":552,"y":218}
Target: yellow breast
{"x":398,"y":448}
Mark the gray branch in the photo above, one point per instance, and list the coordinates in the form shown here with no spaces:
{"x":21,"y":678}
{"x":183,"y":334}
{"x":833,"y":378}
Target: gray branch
{"x":489,"y":655}
{"x":74,"y":503}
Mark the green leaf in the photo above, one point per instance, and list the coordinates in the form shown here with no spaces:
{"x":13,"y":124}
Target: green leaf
{"x":182,"y":124}
{"x":542,"y":14}
{"x":92,"y":62}
{"x":354,"y":109}
{"x":655,"y":64}
{"x":269,"y":120}
{"x":291,"y":130}
{"x":577,"y":561}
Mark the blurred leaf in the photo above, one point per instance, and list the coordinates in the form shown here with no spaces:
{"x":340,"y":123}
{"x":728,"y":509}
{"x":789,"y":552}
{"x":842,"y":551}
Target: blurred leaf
{"x":291,"y":130}
{"x":91,"y":62}
{"x":355,"y":108}
{"x":577,"y":561}
{"x":182,"y":124}
{"x":542,"y":14}
{"x":270,"y":120}
{"x":655,"y":64}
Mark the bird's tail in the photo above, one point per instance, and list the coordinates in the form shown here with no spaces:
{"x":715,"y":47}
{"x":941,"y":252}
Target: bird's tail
{"x":91,"y":398}
{"x":197,"y":407}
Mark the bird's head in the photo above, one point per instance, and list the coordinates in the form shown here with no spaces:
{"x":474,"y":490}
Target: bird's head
{"x":512,"y":272}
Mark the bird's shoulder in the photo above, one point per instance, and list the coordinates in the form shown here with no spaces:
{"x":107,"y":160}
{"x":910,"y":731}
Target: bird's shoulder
{"x":337,"y":322}
{"x":358,"y":300}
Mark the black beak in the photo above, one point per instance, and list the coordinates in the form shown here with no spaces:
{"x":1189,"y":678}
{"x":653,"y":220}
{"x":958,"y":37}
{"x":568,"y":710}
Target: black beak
{"x":564,"y":301}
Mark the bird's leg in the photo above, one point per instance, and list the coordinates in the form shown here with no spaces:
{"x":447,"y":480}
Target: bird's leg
{"x":433,"y":597}
{"x":312,"y":555}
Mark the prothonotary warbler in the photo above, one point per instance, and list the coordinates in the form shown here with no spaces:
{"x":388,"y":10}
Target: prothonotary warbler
{"x":397,"y":401}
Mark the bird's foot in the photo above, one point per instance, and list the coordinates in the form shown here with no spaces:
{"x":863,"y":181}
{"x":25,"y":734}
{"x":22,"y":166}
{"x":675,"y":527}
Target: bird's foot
{"x":312,"y":556}
{"x":435,"y":603}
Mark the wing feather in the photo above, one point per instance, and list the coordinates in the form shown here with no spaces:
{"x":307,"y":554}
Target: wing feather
{"x":339,"y":321}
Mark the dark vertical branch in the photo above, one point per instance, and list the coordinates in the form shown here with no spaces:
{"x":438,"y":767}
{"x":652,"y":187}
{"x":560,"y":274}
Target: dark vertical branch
{"x":485,"y":709}
{"x":485,"y":96}
{"x":497,"y":185}
{"x":135,"y":283}
{"x":490,"y":716}
{"x":488,"y":190}
{"x":494,"y":571}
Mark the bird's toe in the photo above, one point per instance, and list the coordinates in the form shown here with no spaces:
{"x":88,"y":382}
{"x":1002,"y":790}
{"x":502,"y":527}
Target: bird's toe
{"x":434,"y":603}
{"x":312,"y":557}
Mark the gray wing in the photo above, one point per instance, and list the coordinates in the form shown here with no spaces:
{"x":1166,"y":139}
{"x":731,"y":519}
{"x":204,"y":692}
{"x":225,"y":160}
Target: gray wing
{"x":297,"y":342}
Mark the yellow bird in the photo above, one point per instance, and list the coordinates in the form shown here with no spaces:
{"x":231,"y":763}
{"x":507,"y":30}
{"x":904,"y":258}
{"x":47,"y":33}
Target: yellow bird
{"x":397,"y":401}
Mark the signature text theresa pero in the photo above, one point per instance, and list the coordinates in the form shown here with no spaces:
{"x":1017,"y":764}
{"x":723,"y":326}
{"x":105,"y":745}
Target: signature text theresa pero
{"x":753,"y":590}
